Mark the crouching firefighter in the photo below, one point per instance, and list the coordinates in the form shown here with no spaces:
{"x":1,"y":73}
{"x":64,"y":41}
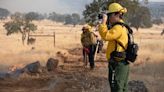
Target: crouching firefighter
{"x":117,"y":38}
{"x":88,"y":40}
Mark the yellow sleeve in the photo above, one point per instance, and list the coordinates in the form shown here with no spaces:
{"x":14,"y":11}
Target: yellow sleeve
{"x":113,"y":33}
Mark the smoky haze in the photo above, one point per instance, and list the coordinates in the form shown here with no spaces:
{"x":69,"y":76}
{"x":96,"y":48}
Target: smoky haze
{"x":45,"y":6}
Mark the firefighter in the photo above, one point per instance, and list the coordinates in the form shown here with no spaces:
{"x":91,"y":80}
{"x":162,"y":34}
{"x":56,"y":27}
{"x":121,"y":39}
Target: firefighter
{"x":88,"y":40}
{"x":116,"y":35}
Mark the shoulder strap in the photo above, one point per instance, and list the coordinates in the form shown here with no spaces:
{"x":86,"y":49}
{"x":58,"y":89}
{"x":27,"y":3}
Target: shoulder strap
{"x":94,"y":34}
{"x":120,"y":45}
{"x":130,"y":33}
{"x":123,"y":24}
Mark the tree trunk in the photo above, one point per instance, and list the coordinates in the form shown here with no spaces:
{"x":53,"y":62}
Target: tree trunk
{"x":28,"y":37}
{"x":137,"y":28}
{"x":23,"y":37}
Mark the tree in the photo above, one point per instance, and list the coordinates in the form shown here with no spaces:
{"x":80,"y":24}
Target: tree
{"x":52,"y":16}
{"x":19,"y":24}
{"x":92,"y":11}
{"x":137,"y":15}
{"x":82,"y":21}
{"x":56,"y":17}
{"x":41,"y":17}
{"x":60,"y":18}
{"x":65,"y":18}
{"x":17,"y":16}
{"x":68,"y":19}
{"x":4,"y":13}
{"x":157,"y":21}
{"x":141,"y":19}
{"x":75,"y":18}
{"x":34,"y":16}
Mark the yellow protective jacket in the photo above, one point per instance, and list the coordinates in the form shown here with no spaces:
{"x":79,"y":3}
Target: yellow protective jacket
{"x":88,"y":38}
{"x":116,"y":33}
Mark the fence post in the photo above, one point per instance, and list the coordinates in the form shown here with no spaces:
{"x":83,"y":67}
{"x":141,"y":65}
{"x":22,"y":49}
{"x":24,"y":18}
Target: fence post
{"x":54,"y":39}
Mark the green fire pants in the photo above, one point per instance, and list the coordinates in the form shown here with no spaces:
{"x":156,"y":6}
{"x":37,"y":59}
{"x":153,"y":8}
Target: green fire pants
{"x":118,"y":76}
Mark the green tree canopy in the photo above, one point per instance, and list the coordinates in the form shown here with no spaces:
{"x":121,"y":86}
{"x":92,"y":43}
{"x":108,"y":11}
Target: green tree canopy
{"x":65,"y":18}
{"x":33,"y":16}
{"x":19,"y":24}
{"x":68,"y":19}
{"x":75,"y":18}
{"x":137,"y":15}
{"x":4,"y":13}
{"x":92,"y":10}
{"x":56,"y":17}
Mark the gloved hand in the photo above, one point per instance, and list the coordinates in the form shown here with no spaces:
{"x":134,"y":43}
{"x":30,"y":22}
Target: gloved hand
{"x":86,"y":50}
{"x":105,"y":18}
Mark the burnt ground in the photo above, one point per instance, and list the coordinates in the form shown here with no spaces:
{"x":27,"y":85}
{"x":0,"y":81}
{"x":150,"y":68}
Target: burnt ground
{"x":70,"y":76}
{"x":69,"y":79}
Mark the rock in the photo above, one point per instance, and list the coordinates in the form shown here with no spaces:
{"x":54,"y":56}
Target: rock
{"x":4,"y":75}
{"x":137,"y":86}
{"x":33,"y":67}
{"x":16,"y":74}
{"x":52,"y":64}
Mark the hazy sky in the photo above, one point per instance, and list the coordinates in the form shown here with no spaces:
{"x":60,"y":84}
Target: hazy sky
{"x":46,"y":6}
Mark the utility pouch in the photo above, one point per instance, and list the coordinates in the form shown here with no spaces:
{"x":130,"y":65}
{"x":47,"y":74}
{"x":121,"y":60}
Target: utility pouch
{"x":118,"y":56}
{"x":112,"y":63}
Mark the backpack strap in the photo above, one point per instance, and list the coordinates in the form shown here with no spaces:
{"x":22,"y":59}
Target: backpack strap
{"x":120,"y":45}
{"x":130,"y":33}
{"x":123,"y":24}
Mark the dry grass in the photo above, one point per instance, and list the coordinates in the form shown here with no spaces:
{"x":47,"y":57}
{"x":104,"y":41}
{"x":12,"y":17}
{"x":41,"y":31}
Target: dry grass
{"x":148,"y":67}
{"x":150,"y":63}
{"x":13,"y":52}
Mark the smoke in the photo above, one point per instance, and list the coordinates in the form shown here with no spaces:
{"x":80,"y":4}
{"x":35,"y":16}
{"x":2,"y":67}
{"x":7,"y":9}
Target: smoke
{"x":45,"y":6}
